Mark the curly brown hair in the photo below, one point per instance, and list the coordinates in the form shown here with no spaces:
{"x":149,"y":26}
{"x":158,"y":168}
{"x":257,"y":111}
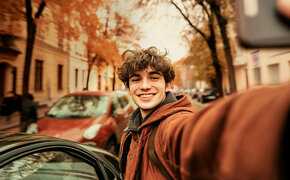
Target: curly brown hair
{"x":136,"y":60}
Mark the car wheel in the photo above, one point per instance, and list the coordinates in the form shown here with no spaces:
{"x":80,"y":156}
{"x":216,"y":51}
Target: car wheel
{"x":112,"y":147}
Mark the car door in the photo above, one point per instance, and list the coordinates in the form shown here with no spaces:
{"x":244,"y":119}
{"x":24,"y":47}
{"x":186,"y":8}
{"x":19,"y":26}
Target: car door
{"x":54,"y":160}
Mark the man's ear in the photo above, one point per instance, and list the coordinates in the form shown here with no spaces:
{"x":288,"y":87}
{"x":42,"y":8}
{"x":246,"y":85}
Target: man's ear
{"x":168,"y":86}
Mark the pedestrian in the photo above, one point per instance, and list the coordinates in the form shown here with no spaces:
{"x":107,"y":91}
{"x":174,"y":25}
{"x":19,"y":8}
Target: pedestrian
{"x":10,"y":104}
{"x":28,"y":114}
{"x":148,"y":76}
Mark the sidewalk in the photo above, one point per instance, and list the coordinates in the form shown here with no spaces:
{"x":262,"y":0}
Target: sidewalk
{"x":15,"y":119}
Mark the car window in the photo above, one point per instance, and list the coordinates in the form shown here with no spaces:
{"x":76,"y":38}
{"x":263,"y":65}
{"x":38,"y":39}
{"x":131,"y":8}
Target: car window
{"x":116,"y":105}
{"x":46,"y":166}
{"x":79,"y":106}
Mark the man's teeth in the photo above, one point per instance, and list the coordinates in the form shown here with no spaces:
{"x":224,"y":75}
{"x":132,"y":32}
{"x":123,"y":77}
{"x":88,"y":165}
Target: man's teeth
{"x":146,"y":95}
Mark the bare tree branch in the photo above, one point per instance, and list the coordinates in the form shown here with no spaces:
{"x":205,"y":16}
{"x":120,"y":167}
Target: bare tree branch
{"x":205,"y":9}
{"x":186,"y":9}
{"x":193,"y":26}
{"x":40,"y":9}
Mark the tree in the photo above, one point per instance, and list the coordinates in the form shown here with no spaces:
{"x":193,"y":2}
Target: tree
{"x":102,"y":27}
{"x":203,"y":13}
{"x":16,"y":8}
{"x":76,"y":20}
{"x":210,"y":37}
{"x":177,"y":69}
{"x":31,"y":32}
{"x":222,"y":22}
{"x":200,"y":58}
{"x":119,"y":29}
{"x":198,"y":15}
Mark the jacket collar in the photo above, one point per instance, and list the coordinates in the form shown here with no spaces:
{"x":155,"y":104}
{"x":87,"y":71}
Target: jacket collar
{"x":136,"y":119}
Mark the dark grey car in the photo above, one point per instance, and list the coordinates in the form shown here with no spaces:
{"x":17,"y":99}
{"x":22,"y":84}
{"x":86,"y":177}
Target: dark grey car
{"x":207,"y":95}
{"x":27,"y":156}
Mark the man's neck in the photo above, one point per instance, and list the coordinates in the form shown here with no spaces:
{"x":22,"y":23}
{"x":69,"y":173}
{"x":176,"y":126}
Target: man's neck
{"x":144,"y":113}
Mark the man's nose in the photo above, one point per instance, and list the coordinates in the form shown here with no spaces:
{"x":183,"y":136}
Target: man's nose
{"x":145,"y":84}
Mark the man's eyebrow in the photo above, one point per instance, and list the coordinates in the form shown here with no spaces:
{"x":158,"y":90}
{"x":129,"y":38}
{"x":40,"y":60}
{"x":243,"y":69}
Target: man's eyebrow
{"x":155,"y":72}
{"x":150,"y":73}
{"x":134,"y":75}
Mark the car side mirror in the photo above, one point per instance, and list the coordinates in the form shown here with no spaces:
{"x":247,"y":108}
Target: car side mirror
{"x":119,"y":115}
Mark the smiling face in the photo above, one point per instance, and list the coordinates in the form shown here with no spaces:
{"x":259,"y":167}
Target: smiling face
{"x":147,"y":88}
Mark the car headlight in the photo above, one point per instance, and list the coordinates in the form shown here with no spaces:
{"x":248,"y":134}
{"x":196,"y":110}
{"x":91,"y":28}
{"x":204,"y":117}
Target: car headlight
{"x":92,"y":131}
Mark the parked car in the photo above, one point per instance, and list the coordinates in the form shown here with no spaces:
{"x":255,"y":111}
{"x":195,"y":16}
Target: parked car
{"x":32,"y":156}
{"x":208,"y":94}
{"x":97,"y":118}
{"x":195,"y":93}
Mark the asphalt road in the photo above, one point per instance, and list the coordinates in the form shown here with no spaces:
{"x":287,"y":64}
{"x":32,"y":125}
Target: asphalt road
{"x":197,"y":104}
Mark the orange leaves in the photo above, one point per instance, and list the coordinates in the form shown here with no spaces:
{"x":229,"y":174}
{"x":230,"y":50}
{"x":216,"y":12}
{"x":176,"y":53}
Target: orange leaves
{"x":98,"y":22}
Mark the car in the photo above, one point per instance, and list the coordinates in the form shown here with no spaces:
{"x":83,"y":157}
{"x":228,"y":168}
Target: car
{"x":207,"y":95}
{"x":33,"y":156}
{"x":93,"y":117}
{"x":195,"y":93}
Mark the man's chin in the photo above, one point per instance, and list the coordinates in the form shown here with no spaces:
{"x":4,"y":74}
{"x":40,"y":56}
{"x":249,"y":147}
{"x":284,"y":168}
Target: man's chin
{"x":146,"y":109}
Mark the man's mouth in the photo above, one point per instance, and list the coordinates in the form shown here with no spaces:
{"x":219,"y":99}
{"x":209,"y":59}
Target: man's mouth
{"x":146,"y":95}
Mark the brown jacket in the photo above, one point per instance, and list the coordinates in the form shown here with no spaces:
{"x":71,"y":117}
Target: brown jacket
{"x":134,"y":160}
{"x":239,"y":137}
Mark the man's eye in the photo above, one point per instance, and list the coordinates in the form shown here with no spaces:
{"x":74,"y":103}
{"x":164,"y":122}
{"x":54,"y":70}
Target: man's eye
{"x":155,"y":77}
{"x":134,"y":80}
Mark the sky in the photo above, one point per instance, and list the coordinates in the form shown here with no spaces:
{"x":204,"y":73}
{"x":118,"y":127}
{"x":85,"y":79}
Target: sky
{"x":164,"y":34}
{"x":162,"y":31}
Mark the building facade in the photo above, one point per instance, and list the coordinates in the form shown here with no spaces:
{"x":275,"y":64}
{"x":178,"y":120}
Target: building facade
{"x":260,"y":67}
{"x":55,"y":69}
{"x":48,"y":70}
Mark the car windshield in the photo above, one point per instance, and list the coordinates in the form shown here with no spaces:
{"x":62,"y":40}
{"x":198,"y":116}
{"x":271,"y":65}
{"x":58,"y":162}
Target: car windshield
{"x":79,"y":106}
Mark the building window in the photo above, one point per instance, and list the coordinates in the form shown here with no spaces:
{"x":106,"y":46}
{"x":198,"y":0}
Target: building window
{"x":273,"y":71}
{"x":99,"y":82}
{"x":84,"y":84}
{"x":38,"y":75}
{"x":257,"y":76}
{"x":76,"y":78}
{"x":59,"y":77}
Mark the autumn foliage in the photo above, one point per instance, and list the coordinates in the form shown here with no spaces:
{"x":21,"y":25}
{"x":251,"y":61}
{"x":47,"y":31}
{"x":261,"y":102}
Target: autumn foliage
{"x":92,"y":22}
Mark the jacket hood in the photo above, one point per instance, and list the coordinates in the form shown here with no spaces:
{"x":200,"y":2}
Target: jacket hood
{"x":168,"y":107}
{"x":182,"y":104}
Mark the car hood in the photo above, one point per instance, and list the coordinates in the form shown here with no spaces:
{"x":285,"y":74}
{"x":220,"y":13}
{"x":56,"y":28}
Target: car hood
{"x":71,"y":129}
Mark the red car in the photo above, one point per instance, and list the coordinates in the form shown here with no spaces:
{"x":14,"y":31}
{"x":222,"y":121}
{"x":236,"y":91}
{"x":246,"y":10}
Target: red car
{"x":96,"y":118}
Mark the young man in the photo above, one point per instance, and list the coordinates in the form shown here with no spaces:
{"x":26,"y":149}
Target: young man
{"x":244,"y":136}
{"x":148,"y":78}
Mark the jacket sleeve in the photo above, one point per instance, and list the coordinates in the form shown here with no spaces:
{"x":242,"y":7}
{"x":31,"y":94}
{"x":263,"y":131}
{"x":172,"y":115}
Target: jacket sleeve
{"x":239,"y":137}
{"x":168,"y":139}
